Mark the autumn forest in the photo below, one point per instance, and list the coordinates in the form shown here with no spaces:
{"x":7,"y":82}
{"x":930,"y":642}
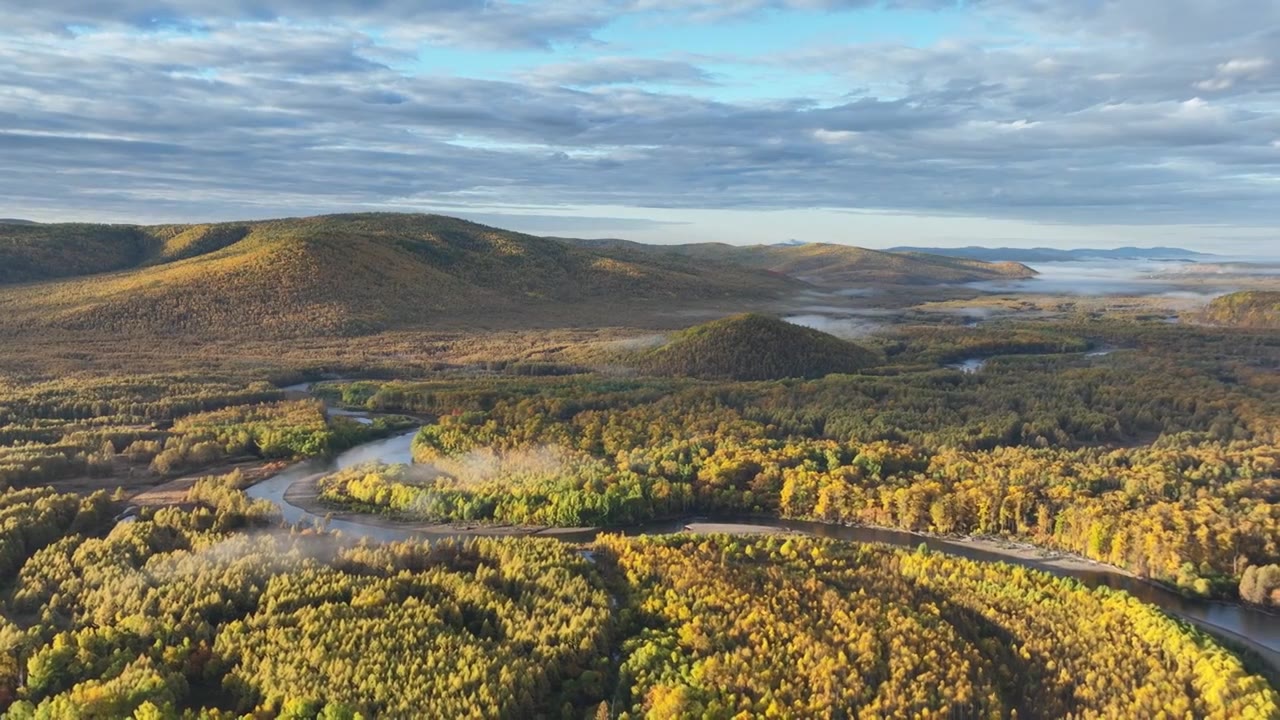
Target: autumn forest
{"x":434,"y":501}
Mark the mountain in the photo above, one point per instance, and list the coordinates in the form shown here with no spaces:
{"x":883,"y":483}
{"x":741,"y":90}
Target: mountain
{"x":754,"y":347}
{"x":1056,"y":255}
{"x":829,"y":263}
{"x":41,"y":252}
{"x":1250,"y":308}
{"x":328,"y":274}
{"x":16,"y":221}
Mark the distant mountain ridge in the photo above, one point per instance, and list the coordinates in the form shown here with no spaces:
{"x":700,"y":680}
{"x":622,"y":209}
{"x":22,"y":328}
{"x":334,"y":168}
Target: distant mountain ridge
{"x":1043,"y":254}
{"x":829,"y":263}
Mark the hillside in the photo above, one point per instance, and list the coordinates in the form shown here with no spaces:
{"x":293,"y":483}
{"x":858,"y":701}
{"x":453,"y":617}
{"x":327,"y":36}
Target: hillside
{"x":825,"y":263}
{"x":1043,"y":254}
{"x":330,"y":274}
{"x":829,"y":263}
{"x":1251,"y":308}
{"x":31,"y":252}
{"x":754,"y":347}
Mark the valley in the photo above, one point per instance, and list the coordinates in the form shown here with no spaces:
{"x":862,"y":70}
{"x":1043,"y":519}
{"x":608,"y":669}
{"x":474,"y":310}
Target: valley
{"x":546,"y":477}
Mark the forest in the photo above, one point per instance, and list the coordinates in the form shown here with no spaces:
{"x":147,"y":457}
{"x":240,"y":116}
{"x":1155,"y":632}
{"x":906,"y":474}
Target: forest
{"x":1252,"y":308}
{"x":218,"y":612}
{"x":131,"y":430}
{"x":755,"y":347}
{"x":1157,"y":460}
{"x":1159,"y":457}
{"x":1150,"y":447}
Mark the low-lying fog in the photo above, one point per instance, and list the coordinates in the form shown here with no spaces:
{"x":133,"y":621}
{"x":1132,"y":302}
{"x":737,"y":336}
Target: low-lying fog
{"x":1136,"y":277}
{"x":839,"y":324}
{"x":1178,"y":285}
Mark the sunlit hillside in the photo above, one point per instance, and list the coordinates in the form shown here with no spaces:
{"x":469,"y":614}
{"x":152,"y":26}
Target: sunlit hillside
{"x":843,"y":263}
{"x":1254,"y":308}
{"x":755,"y":347}
{"x":331,"y":274}
{"x":832,"y":264}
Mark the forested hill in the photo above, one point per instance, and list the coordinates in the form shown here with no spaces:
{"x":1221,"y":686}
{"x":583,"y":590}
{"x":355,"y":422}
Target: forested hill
{"x":1252,"y":308}
{"x":755,"y":347}
{"x":1043,"y":254}
{"x":329,"y":274}
{"x":40,"y":252}
{"x":830,"y":263}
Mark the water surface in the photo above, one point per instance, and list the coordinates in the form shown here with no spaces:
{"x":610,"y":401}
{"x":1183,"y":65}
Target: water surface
{"x":1258,"y":629}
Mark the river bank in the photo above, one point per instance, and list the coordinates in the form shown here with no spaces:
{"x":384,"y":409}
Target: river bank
{"x":304,"y":493}
{"x":295,"y":492}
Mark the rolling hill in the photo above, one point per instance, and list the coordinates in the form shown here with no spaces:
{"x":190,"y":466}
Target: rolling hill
{"x":351,"y":274}
{"x":754,"y":347}
{"x":30,"y":252}
{"x":829,"y":264}
{"x":1250,"y":308}
{"x":338,"y":274}
{"x":1043,"y":254}
{"x":824,"y":263}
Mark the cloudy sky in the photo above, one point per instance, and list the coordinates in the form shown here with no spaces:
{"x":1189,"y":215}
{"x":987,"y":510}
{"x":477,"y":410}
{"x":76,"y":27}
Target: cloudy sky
{"x":1019,"y":122}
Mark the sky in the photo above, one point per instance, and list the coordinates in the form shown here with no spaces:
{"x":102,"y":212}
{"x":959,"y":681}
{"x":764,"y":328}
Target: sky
{"x":943,"y":122}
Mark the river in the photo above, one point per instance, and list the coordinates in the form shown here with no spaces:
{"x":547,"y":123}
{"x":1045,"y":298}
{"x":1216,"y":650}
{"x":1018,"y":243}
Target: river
{"x":1260,"y":631}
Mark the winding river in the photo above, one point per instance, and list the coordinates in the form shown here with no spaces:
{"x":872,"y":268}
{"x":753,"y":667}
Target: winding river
{"x":1237,"y":624}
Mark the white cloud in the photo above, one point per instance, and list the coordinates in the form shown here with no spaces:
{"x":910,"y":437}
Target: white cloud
{"x":1233,"y":71}
{"x":255,"y":114}
{"x":1244,"y":66}
{"x":835,"y":136}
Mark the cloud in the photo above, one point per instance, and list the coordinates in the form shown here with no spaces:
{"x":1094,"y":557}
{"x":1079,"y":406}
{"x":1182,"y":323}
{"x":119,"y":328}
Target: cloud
{"x":1235,"y":70}
{"x":476,"y":23}
{"x":1170,"y":22}
{"x":201,"y":110}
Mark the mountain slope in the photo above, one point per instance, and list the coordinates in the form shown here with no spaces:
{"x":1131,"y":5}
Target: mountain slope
{"x":829,"y":263}
{"x":1042,"y":254}
{"x":754,"y":347}
{"x":337,"y":274}
{"x":1251,"y":308}
{"x":30,"y":252}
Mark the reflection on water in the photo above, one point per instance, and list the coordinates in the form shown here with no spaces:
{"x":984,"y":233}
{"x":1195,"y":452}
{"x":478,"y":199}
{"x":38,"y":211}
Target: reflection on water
{"x":392,"y":450}
{"x":1258,"y":627}
{"x":357,"y":415}
{"x":969,"y":366}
